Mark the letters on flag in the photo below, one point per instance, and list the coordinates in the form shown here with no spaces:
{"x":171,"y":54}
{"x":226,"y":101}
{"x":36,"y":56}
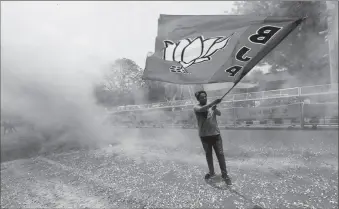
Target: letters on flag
{"x":195,"y":49}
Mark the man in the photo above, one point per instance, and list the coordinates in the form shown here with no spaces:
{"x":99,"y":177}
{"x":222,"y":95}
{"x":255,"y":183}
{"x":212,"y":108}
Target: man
{"x":210,"y":134}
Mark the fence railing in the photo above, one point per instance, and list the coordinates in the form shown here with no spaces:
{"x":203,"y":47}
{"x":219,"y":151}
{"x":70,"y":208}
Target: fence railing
{"x":318,"y":89}
{"x":297,"y":114}
{"x":289,"y":92}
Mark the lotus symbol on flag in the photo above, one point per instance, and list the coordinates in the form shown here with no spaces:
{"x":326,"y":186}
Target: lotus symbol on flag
{"x":187,"y":52}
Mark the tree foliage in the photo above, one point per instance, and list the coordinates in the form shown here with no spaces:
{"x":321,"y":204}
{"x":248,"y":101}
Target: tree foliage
{"x":123,"y":85}
{"x":124,"y":75}
{"x":304,"y":53}
{"x":121,"y":81}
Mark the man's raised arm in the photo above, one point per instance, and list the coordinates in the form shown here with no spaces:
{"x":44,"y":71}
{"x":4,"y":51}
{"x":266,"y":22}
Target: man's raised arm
{"x":207,"y":106}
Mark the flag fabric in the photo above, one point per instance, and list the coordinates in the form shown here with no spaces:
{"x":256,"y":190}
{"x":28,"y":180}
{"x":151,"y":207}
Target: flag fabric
{"x":204,"y":49}
{"x":221,"y":86}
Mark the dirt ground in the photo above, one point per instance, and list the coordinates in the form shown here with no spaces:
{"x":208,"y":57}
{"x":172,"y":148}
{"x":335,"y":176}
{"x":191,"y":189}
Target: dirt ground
{"x":161,"y":168}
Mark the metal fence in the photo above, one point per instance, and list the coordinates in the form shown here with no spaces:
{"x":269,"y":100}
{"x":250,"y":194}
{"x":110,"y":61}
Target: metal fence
{"x":288,"y":115}
{"x":289,"y":92}
{"x":319,"y":89}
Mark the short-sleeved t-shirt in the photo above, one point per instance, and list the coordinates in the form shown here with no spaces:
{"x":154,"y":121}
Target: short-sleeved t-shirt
{"x":207,"y":122}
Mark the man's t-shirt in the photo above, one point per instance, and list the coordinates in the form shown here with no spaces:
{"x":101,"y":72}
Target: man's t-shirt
{"x":207,"y":122}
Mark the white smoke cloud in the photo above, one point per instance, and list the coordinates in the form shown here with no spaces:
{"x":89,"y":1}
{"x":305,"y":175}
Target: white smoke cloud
{"x":47,"y":79}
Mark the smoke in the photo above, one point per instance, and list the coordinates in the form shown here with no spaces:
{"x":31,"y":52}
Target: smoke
{"x":52,"y":89}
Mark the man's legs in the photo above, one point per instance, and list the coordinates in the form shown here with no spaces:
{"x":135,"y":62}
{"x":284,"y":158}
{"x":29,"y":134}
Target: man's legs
{"x":207,"y":145}
{"x":219,"y":151}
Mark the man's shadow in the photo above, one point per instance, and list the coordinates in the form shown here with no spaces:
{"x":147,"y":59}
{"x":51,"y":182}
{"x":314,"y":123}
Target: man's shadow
{"x":218,"y":183}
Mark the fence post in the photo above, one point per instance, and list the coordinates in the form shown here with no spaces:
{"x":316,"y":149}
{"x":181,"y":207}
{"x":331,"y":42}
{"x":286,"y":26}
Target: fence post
{"x":302,"y":119}
{"x":234,"y":120}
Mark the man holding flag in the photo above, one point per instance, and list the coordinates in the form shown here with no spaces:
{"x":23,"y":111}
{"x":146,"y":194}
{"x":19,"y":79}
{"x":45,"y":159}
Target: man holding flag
{"x":206,"y":49}
{"x":210,"y":134}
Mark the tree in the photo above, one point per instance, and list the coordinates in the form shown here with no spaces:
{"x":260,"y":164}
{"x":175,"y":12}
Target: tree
{"x":175,"y":92}
{"x":304,"y":53}
{"x":123,"y":85}
{"x":123,"y":76}
{"x":102,"y":96}
{"x":161,"y":91}
{"x":155,"y":91}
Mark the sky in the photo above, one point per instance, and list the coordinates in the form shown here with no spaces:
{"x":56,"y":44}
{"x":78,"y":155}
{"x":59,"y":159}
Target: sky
{"x":100,"y":31}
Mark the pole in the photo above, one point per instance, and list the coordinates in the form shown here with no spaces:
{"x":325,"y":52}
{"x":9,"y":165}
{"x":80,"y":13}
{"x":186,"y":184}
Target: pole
{"x":190,"y":92}
{"x":181,"y":90}
{"x":228,"y":91}
{"x":234,"y":115}
{"x":332,"y":20}
{"x":302,"y":119}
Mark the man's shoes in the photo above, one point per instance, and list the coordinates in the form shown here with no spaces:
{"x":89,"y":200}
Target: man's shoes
{"x":209,"y":175}
{"x":227,"y":180}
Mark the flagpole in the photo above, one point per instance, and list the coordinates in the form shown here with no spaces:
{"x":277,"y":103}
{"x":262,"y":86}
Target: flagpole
{"x":244,"y":73}
{"x":229,"y":90}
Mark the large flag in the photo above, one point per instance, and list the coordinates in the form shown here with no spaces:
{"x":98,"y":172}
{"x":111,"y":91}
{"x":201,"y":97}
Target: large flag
{"x":203,"y":49}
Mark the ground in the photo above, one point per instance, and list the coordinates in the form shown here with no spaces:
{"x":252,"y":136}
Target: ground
{"x":162,"y":168}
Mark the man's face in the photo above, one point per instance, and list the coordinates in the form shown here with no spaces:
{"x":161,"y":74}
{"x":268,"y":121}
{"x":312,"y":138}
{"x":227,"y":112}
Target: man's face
{"x":203,"y":98}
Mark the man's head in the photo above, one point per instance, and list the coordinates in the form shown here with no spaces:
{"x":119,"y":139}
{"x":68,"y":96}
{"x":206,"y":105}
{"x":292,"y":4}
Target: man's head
{"x":201,"y":97}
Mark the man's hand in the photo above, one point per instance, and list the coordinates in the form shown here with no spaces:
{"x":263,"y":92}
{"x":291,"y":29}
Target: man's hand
{"x":207,"y":106}
{"x":217,"y":101}
{"x":214,"y":107}
{"x":217,"y":112}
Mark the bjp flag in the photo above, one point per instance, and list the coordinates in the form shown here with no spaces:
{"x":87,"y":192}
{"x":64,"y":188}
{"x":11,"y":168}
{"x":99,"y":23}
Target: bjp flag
{"x":204,"y":49}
